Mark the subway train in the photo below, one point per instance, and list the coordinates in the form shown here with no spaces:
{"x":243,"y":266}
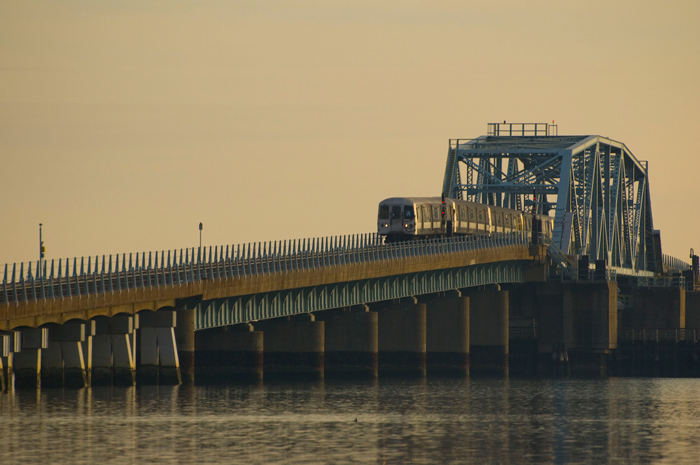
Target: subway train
{"x":408,"y":218}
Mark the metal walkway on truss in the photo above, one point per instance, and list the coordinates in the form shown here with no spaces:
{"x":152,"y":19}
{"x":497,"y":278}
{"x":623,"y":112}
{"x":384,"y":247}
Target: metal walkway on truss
{"x":598,"y":190}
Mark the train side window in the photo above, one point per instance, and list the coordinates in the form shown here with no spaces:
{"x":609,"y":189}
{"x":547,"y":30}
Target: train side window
{"x":507,"y":219}
{"x":427,"y":214}
{"x":408,"y":212}
{"x":395,"y":213}
{"x":481,"y":216}
{"x":384,"y":212}
{"x":436,"y":212}
{"x":419,"y":215}
{"x":471,"y":214}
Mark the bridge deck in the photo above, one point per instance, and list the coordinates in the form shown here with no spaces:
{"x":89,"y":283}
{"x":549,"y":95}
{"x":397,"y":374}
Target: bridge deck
{"x":56,"y":300}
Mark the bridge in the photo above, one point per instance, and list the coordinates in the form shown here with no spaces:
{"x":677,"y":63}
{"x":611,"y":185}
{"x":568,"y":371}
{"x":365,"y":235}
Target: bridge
{"x":598,"y":191}
{"x":354,"y":304}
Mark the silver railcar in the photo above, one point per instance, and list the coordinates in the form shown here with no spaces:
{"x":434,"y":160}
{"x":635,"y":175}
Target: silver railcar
{"x":407,"y":218}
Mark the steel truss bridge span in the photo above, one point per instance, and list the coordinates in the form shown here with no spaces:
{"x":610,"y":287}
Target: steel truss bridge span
{"x":598,"y":191}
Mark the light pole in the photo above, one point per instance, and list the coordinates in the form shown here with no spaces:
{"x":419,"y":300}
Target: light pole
{"x":201,"y":226}
{"x":42,"y":249}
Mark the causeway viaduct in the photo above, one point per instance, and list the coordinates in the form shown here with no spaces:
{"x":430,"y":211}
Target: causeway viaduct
{"x":597,"y":297}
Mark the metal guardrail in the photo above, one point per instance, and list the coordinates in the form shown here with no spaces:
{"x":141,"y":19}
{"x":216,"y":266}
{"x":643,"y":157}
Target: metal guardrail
{"x":662,"y":281}
{"x":521,"y":129}
{"x":674,"y":263}
{"x":659,"y":335}
{"x":168,"y":268}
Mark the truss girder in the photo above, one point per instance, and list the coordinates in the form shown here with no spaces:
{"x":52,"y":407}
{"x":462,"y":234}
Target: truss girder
{"x":276,"y":304}
{"x":596,"y":190}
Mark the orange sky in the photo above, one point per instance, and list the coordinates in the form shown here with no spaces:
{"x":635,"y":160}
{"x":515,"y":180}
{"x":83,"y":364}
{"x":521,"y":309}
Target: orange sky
{"x":124,"y":124}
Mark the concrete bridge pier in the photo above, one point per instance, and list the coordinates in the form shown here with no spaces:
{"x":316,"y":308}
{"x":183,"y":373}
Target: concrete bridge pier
{"x":589,"y":326}
{"x":184,"y":336}
{"x":229,"y":354}
{"x":63,"y":363}
{"x":157,"y":356}
{"x":4,"y":355}
{"x":10,"y":342}
{"x":351,"y":342}
{"x":488,"y":333}
{"x":402,"y":338}
{"x":294,"y":346}
{"x":447,"y":334}
{"x":113,"y":354}
{"x":692,"y":309}
{"x":656,"y":308}
{"x":27,"y":362}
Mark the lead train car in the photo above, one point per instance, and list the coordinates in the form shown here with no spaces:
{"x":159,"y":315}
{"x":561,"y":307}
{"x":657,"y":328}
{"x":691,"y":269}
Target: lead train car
{"x":405,"y":218}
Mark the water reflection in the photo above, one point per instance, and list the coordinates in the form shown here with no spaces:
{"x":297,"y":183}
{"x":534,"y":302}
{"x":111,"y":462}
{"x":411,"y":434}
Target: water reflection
{"x":398,"y":421}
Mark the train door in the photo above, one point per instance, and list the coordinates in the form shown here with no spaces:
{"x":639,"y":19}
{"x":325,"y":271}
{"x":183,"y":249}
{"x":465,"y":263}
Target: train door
{"x":437,"y":218}
{"x":395,"y":218}
{"x":419,"y":220}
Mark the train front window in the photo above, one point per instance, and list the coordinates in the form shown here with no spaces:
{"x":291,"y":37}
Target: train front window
{"x":408,"y":212}
{"x":384,"y":212}
{"x":396,"y":213}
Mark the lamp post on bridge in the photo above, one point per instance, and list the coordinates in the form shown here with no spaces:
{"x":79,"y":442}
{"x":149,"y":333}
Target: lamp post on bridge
{"x":42,"y":250}
{"x":201,"y":226}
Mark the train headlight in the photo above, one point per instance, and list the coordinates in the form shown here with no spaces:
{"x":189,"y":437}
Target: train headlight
{"x":386,"y":225}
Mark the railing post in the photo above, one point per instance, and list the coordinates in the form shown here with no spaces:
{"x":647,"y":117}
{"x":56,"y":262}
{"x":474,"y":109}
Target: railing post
{"x":5,"y":298}
{"x":164,"y":277}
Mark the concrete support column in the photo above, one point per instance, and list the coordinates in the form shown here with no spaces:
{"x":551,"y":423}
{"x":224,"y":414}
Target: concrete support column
{"x":402,"y":339}
{"x":229,"y":354}
{"x":351,"y":342}
{"x":447,"y":335}
{"x":27,"y":362}
{"x":488,"y":334}
{"x":656,"y":308}
{"x":86,"y":347}
{"x":692,"y":309}
{"x":10,"y":342}
{"x":63,"y":363}
{"x":294,"y":347}
{"x":184,"y":335}
{"x":589,"y":326}
{"x":113,"y":354}
{"x":4,"y":354}
{"x":158,"y":361}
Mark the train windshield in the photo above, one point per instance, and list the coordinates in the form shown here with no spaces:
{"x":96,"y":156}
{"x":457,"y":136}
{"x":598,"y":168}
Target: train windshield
{"x":384,"y":212}
{"x":408,"y":212}
{"x":396,"y":213}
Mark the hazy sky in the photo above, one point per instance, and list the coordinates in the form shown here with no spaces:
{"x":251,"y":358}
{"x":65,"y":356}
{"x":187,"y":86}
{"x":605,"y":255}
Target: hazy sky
{"x":124,"y":124}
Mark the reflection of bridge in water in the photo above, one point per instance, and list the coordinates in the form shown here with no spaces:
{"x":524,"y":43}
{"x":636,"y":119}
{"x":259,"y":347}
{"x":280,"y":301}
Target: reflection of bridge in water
{"x":353,"y":304}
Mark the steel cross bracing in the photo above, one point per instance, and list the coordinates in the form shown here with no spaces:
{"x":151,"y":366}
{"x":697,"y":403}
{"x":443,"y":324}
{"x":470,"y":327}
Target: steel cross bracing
{"x":598,"y":191}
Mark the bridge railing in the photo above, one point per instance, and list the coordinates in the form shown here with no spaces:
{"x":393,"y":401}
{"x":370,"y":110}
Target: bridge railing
{"x":85,"y":276}
{"x":673,"y":263}
{"x":662,"y":281}
{"x":659,"y":335}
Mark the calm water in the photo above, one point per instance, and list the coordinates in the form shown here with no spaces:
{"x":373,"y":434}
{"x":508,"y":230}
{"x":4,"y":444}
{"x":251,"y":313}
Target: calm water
{"x":398,"y":421}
